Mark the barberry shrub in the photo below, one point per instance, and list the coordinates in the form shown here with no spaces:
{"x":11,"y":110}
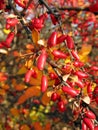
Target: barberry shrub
{"x":49,"y":64}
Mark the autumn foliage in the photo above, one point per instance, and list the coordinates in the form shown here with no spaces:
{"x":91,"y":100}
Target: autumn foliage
{"x":49,"y":64}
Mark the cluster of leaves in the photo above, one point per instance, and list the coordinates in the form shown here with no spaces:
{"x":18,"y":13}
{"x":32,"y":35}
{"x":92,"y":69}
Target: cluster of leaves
{"x":49,"y":64}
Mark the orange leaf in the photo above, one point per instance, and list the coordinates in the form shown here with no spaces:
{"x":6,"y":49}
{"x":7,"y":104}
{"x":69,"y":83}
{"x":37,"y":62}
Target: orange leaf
{"x":47,"y":126}
{"x":5,"y":86}
{"x":24,"y":127}
{"x":51,"y":82}
{"x":46,"y":97}
{"x":37,"y":126}
{"x":85,"y":50}
{"x":28,"y":63}
{"x":20,"y":87}
{"x":30,"y":92}
{"x":2,"y":92}
{"x":22,"y":70}
{"x":30,"y":46}
{"x":14,"y":111}
{"x":22,"y":99}
{"x":35,"y":35}
{"x":34,"y":81}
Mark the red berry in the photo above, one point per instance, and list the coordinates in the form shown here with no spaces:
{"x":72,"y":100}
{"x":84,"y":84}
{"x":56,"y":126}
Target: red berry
{"x":70,"y":42}
{"x":96,"y":91}
{"x":96,"y":128}
{"x":53,"y":75}
{"x":42,"y":60}
{"x":89,"y":123}
{"x":59,"y":54}
{"x":75,"y":55}
{"x":61,"y":106}
{"x":70,"y":91}
{"x":84,"y":126}
{"x":61,"y":39}
{"x":28,"y":75}
{"x":90,"y":114}
{"x":52,"y":41}
{"x":54,"y":96}
{"x":44,"y":83}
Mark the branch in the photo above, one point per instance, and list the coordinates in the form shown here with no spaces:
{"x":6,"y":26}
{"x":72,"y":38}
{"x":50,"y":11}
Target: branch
{"x":51,"y":11}
{"x":21,"y":18}
{"x":77,"y":9}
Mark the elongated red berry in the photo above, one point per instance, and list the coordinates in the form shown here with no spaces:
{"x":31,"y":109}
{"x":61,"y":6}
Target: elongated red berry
{"x":59,"y":54}
{"x":95,"y":68}
{"x":52,"y":41}
{"x":90,"y":114}
{"x":89,"y":90}
{"x":89,"y":123}
{"x":42,"y":60}
{"x":43,"y":17}
{"x":70,"y":91}
{"x":44,"y":83}
{"x":79,"y":83}
{"x":84,"y":126}
{"x":96,"y":128}
{"x":61,"y":106}
{"x":28,"y":75}
{"x":9,"y":39}
{"x":69,"y":42}
{"x":61,"y":39}
{"x":75,"y":55}
{"x":78,"y":64}
{"x":54,"y":20}
{"x":81,"y":74}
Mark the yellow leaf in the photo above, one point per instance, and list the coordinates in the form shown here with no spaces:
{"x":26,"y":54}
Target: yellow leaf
{"x":35,"y":35}
{"x":42,"y":42}
{"x":83,"y":59}
{"x":14,"y":111}
{"x":67,"y":60}
{"x":6,"y":31}
{"x":22,"y":70}
{"x":28,"y":63}
{"x":84,"y":91}
{"x":85,"y":50}
{"x":83,"y":53}
{"x":25,"y":127}
{"x":51,"y":82}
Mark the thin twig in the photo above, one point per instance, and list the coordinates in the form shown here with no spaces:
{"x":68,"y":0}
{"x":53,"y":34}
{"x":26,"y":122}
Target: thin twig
{"x":77,"y":9}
